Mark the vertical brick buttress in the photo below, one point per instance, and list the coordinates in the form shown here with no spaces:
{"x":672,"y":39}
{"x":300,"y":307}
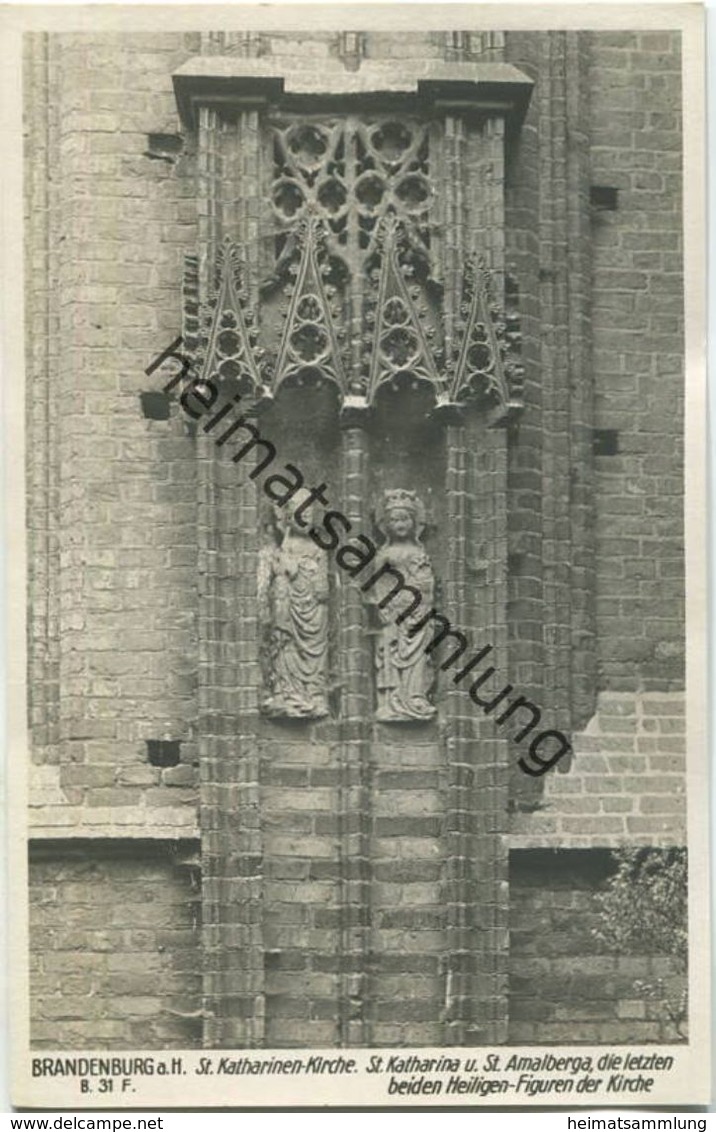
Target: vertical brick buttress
{"x":552,"y":548}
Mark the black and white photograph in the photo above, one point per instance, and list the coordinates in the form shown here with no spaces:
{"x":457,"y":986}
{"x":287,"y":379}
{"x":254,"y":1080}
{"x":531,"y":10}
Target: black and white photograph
{"x":358,"y":670}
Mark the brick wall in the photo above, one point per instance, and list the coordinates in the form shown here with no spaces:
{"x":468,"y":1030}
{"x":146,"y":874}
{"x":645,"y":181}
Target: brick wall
{"x":565,"y":986}
{"x":140,"y":562}
{"x":637,"y":323}
{"x":112,"y":508}
{"x":114,"y":946}
{"x":626,"y":783}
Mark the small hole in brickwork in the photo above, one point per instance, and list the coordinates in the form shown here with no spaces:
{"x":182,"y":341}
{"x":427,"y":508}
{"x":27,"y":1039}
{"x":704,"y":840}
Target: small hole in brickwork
{"x":163,"y":752}
{"x":605,"y":441}
{"x":155,"y":405}
{"x":512,"y":287}
{"x":164,"y":147}
{"x":605,"y":198}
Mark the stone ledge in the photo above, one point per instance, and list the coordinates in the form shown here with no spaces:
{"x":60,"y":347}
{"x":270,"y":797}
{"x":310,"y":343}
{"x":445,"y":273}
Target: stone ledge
{"x":542,"y":840}
{"x":225,"y":79}
{"x":113,"y":830}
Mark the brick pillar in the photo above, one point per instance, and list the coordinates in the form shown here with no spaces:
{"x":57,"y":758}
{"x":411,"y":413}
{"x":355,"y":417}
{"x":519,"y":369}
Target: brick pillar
{"x":525,"y":439}
{"x":232,"y":836}
{"x":551,"y":479}
{"x":408,"y":936}
{"x":230,"y":752}
{"x":568,"y":546}
{"x":475,"y":755}
{"x":475,"y":878}
{"x":271,"y":787}
{"x":460,"y":732}
{"x":583,"y":682}
{"x":486,"y":555}
{"x":355,"y":772}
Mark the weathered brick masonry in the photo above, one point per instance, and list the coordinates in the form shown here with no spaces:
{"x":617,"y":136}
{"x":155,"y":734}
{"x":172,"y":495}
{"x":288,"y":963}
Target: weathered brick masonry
{"x":564,"y":987}
{"x":346,"y":881}
{"x":115,"y":958}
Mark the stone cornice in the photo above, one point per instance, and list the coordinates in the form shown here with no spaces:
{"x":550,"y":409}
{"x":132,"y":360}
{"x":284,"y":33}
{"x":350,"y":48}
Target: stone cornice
{"x":497,"y":89}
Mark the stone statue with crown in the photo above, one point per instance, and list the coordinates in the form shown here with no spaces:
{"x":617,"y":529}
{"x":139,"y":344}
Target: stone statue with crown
{"x":404,"y":671}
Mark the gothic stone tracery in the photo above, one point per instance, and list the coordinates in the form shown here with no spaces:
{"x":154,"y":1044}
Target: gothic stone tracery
{"x":356,"y":276}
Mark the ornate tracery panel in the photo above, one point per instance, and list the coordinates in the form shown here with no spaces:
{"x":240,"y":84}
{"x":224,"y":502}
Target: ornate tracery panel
{"x":376,"y":271}
{"x":352,"y":171}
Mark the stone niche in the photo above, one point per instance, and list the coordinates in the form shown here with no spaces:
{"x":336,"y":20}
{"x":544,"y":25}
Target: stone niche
{"x":348,"y":290}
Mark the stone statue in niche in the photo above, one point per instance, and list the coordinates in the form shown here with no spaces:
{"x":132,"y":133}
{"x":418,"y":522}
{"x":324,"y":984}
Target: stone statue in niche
{"x":293,"y":596}
{"x":404,"y":671}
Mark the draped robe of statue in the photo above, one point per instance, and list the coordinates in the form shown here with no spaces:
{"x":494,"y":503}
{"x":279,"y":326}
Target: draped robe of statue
{"x":293,"y":597}
{"x":404,"y":674}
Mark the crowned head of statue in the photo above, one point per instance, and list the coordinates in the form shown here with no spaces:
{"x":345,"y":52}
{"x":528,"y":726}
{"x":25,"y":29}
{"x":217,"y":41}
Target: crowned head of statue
{"x":400,"y":516}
